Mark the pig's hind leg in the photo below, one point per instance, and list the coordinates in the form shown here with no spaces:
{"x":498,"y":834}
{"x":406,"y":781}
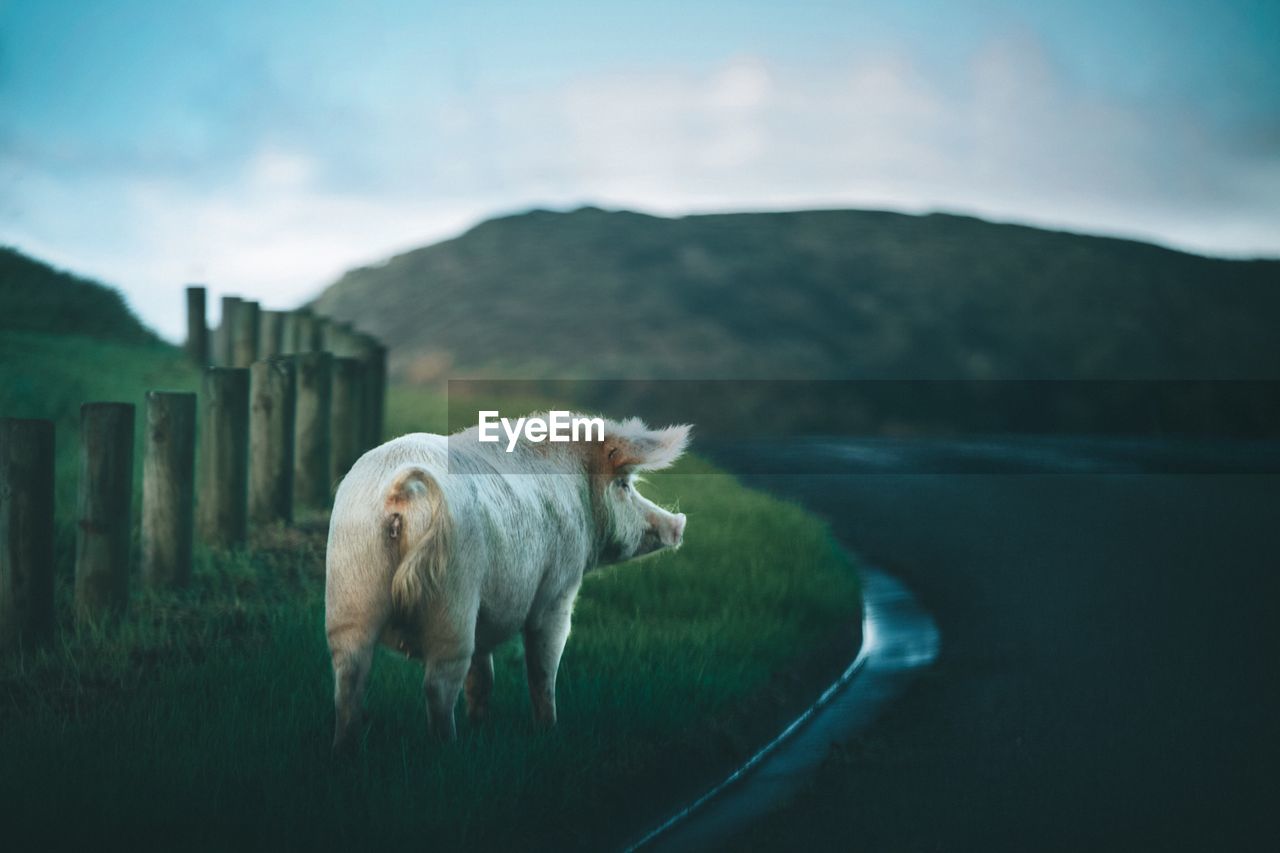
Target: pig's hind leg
{"x":447,"y":650}
{"x":479,"y":686}
{"x":351,"y":647}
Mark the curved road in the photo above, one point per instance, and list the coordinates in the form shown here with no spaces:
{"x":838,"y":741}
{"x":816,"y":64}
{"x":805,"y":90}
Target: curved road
{"x":1108,"y":675}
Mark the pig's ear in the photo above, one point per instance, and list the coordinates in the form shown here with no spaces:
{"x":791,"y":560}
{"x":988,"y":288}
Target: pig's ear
{"x":641,"y":449}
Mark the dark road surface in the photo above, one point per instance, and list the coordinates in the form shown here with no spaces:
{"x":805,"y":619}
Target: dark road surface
{"x":1108,"y":674}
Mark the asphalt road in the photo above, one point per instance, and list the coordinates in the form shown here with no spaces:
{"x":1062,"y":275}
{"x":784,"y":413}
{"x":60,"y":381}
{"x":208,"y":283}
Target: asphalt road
{"x":1108,"y":673}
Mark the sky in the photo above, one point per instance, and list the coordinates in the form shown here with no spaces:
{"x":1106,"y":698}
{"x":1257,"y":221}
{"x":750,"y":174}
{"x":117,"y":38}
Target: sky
{"x":264,"y":148}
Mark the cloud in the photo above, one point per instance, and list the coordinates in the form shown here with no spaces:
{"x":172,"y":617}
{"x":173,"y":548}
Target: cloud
{"x":284,"y":199}
{"x":272,"y":235}
{"x":1011,"y":138}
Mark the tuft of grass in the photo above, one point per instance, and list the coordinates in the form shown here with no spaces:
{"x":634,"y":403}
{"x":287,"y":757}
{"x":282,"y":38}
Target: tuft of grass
{"x":202,"y":718}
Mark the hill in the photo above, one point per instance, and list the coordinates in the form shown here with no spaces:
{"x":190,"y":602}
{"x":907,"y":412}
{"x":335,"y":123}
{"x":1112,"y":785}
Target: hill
{"x":816,"y":294}
{"x":35,"y":297}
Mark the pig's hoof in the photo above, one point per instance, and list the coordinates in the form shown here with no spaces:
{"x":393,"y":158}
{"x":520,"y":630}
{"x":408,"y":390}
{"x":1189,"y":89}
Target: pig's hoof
{"x":444,"y":734}
{"x":344,"y":750}
{"x":346,"y":743}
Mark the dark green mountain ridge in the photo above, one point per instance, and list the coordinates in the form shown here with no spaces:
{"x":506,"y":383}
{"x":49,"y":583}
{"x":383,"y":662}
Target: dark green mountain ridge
{"x":810,"y":294}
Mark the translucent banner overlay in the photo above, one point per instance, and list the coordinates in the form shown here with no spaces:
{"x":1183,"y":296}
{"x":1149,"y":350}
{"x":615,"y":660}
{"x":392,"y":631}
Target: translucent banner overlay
{"x":924,"y":426}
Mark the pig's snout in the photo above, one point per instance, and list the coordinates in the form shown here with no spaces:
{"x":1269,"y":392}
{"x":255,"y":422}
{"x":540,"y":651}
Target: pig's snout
{"x":657,"y":530}
{"x":671,"y":530}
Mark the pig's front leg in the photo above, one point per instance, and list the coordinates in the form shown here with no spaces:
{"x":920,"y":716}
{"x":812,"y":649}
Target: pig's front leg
{"x":544,"y":638}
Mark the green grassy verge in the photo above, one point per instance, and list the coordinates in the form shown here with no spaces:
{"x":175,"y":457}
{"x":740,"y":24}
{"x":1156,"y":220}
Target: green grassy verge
{"x":203,"y":719}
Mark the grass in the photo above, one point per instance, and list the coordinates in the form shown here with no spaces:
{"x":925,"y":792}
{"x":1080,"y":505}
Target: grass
{"x":203,"y":718}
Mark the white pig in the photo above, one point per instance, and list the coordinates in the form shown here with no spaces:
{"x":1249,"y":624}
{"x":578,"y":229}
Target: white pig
{"x":445,"y":547}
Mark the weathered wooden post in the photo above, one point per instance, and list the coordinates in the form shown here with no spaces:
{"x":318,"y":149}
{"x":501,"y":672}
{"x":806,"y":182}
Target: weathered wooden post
{"x":347,"y":421}
{"x":244,"y":336}
{"x":375,"y":359}
{"x":289,"y":333}
{"x":321,"y":333}
{"x":197,"y":326}
{"x":270,"y":333}
{"x":311,"y":436}
{"x":306,"y":333}
{"x":338,"y":338}
{"x":224,"y":354}
{"x":355,"y":341}
{"x":224,"y":457}
{"x":364,"y":348}
{"x":26,"y":531}
{"x":272,"y":398}
{"x":318,"y":322}
{"x":168,"y":488}
{"x":328,"y":336}
{"x":104,"y":527}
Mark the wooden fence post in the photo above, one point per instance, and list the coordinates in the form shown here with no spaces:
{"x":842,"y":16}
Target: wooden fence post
{"x":224,"y":457}
{"x":270,"y":333}
{"x":289,"y":333}
{"x":168,"y":488}
{"x":348,"y":418}
{"x":311,"y":437}
{"x":339,"y":338}
{"x":321,"y":334}
{"x":313,"y":332}
{"x":197,"y":327}
{"x":375,"y":359}
{"x":273,"y":391}
{"x":244,"y":337}
{"x":306,"y":332}
{"x":224,"y":354}
{"x":299,"y":332}
{"x":105,"y":509}
{"x":329,"y":336}
{"x":26,"y":531}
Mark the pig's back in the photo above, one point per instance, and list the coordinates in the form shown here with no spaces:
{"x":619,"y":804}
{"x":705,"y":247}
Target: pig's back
{"x":519,"y":521}
{"x":529,"y":531}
